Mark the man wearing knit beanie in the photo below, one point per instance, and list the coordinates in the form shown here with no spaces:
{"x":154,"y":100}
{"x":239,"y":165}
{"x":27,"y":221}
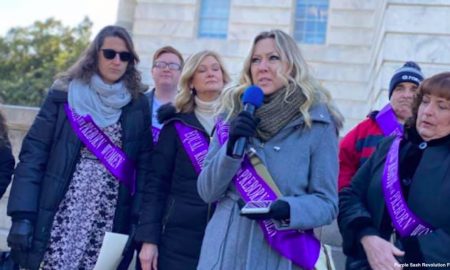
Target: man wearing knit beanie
{"x":359,"y":144}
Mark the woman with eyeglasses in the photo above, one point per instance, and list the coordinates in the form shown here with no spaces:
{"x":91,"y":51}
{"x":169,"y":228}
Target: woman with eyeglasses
{"x":82,"y":160}
{"x":173,"y":216}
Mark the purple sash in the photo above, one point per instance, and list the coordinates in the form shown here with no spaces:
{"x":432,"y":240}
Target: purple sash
{"x":194,"y":143}
{"x":403,"y":219}
{"x":155,"y":134}
{"x":111,"y":156}
{"x":387,"y":121}
{"x":302,"y":248}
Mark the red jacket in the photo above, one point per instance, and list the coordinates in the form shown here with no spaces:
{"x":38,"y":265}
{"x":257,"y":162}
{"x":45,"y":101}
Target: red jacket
{"x":356,"y":147}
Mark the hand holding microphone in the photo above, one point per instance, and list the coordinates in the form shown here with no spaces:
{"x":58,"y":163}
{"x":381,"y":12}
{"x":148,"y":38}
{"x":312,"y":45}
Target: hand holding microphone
{"x":244,"y":125}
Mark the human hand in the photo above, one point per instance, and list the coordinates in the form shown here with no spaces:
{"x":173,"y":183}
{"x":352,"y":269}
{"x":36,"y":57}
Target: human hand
{"x":149,"y":256}
{"x":244,"y":125}
{"x":20,"y":235}
{"x":381,"y":253}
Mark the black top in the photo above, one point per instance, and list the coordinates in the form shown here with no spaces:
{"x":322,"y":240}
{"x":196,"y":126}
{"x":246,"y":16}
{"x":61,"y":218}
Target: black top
{"x":6,"y":166}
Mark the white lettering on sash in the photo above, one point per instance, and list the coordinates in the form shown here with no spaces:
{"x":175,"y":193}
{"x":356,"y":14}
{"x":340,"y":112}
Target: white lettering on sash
{"x":391,"y":175}
{"x":400,"y":213}
{"x":244,"y":176}
{"x":200,"y":157}
{"x":250,"y":185}
{"x":91,"y":133}
{"x":112,"y":156}
{"x":270,"y":227}
{"x":420,"y":230}
{"x":193,"y":139}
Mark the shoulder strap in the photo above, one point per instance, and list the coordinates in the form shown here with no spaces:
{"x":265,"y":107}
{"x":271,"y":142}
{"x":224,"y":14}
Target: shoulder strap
{"x":264,"y":173}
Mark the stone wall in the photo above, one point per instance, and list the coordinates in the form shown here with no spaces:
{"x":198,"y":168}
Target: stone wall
{"x":408,"y":30}
{"x":341,"y":64}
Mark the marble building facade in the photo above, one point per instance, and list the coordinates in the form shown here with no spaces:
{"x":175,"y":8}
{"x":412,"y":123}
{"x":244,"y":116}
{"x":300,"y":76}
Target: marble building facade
{"x":366,"y":40}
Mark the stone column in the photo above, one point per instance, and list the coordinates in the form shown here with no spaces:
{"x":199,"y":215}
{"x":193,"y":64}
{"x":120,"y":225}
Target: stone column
{"x":125,"y":14}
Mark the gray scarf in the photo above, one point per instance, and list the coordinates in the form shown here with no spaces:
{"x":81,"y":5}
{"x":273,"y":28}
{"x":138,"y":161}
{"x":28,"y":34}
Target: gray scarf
{"x":276,"y":112}
{"x":103,"y":102}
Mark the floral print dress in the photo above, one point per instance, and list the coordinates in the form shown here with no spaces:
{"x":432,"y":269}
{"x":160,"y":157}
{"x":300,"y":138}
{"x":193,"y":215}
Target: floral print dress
{"x":85,"y":213}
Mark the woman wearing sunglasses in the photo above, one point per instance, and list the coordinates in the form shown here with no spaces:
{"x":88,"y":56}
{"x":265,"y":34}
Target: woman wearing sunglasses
{"x":82,"y":159}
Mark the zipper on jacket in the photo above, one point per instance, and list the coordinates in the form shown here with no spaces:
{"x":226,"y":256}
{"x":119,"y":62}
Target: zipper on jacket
{"x":73,"y":165}
{"x":166,"y":217}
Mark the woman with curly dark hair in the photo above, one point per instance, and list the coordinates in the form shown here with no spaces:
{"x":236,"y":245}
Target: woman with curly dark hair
{"x":86,"y":153}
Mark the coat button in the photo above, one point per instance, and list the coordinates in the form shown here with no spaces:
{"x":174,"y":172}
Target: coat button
{"x":406,"y":181}
{"x":423,"y":145}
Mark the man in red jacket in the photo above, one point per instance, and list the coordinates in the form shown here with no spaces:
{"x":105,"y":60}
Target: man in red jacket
{"x":357,"y":146}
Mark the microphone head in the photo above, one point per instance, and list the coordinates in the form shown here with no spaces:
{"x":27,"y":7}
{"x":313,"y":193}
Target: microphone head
{"x":253,"y":95}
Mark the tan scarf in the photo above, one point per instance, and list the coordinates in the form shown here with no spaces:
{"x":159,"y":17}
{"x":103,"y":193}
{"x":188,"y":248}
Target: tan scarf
{"x":276,"y":112}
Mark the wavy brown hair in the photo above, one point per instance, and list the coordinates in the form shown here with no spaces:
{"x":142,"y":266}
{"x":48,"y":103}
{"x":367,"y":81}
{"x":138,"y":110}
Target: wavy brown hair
{"x":437,"y":85}
{"x":87,"y":64}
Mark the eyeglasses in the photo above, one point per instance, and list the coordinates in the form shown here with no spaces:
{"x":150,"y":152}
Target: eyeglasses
{"x":163,"y":65}
{"x":111,"y":54}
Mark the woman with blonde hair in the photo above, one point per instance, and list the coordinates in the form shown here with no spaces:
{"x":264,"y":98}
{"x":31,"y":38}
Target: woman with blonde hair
{"x":173,"y":216}
{"x":290,"y":163}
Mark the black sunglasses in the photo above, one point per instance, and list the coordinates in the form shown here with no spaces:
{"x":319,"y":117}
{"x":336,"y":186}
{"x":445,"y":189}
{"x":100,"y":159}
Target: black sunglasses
{"x":111,"y":54}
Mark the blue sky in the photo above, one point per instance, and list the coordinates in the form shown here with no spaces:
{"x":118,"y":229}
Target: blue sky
{"x":25,"y":12}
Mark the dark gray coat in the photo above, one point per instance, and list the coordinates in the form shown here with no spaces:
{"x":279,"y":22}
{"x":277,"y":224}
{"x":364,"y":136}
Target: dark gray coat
{"x":47,"y":161}
{"x":302,"y":161}
{"x":6,"y":166}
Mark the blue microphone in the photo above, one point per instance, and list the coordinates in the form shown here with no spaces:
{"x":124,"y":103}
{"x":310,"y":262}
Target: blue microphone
{"x":252,"y":100}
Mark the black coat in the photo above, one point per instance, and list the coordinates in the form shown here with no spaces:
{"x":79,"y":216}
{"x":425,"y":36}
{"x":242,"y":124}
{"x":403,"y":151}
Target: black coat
{"x":362,"y":208}
{"x":47,"y":160}
{"x":6,"y":166}
{"x":173,"y":215}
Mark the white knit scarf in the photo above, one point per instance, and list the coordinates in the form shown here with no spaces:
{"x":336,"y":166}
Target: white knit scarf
{"x":102,"y":101}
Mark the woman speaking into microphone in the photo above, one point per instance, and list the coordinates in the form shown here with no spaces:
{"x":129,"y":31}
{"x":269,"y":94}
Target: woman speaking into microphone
{"x":287,"y":176}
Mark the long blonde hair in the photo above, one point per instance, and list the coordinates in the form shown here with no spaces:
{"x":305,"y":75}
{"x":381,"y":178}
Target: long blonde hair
{"x":184,"y":100}
{"x":298,"y":79}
